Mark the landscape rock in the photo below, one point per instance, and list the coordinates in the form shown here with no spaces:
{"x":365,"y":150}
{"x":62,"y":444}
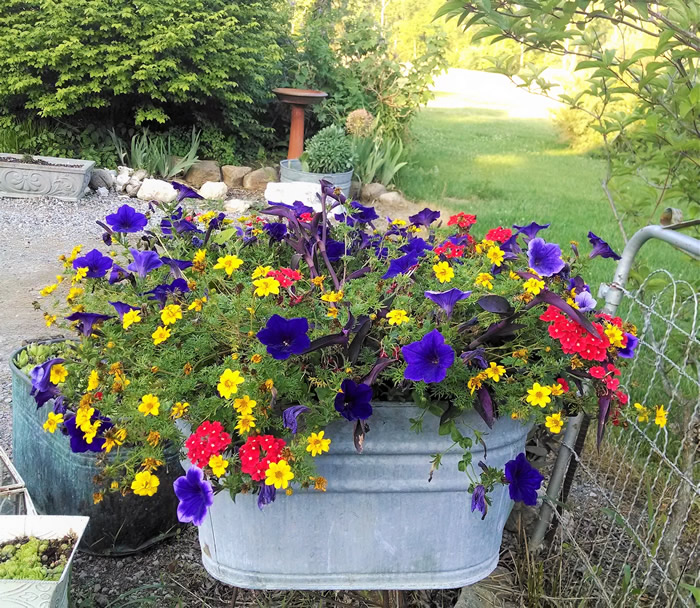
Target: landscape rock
{"x":214,"y":191}
{"x":102,"y":191}
{"x":371,"y":192}
{"x":290,"y":192}
{"x":258,"y":179}
{"x":203,"y":171}
{"x":101,"y":178}
{"x":132,"y":189}
{"x":233,"y":175}
{"x":123,"y":177}
{"x":391,"y":198}
{"x":157,"y":190}
{"x":139,"y":175}
{"x":237,"y":206}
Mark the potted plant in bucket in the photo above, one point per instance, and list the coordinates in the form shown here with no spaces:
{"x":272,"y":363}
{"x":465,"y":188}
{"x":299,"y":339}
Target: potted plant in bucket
{"x":362,"y":390}
{"x":328,"y":155}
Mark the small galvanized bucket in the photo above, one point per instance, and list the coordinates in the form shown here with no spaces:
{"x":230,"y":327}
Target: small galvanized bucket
{"x":381,"y":524}
{"x":291,"y":171}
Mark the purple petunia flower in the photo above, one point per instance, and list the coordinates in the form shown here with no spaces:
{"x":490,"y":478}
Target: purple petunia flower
{"x":544,"y":258}
{"x":353,"y":400}
{"x":184,"y":192}
{"x":285,"y":337}
{"x":117,"y":274}
{"x":401,"y":265}
{"x":122,"y":308}
{"x":530,"y":231}
{"x":447,"y":299}
{"x":478,"y":356}
{"x":628,"y":351}
{"x":335,"y":250}
{"x":161,"y":292}
{"x":363,"y":214}
{"x":429,"y":358}
{"x":585,"y":301}
{"x":78,"y":444}
{"x":479,"y":500}
{"x":59,"y":406}
{"x":424,"y":218}
{"x":417,"y":246}
{"x":523,"y":480}
{"x":601,"y":248}
{"x":290,"y":415}
{"x":86,"y":320}
{"x":266,"y":495}
{"x":276,"y":230}
{"x":195,"y":495}
{"x":127,"y":219}
{"x":41,"y":374}
{"x":176,"y":265}
{"x":96,"y":263}
{"x":144,"y":262}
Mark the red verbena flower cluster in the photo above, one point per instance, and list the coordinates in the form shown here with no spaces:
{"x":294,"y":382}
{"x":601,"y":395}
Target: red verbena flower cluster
{"x":574,"y":339}
{"x":499,"y":235}
{"x":450,"y":250}
{"x":286,"y":277}
{"x":208,"y":440}
{"x":463,"y":220}
{"x":258,"y":452}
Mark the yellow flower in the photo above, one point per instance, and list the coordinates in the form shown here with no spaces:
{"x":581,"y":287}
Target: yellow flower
{"x":533,"y":286}
{"x":52,"y":422}
{"x":256,"y":358}
{"x":150,"y":405}
{"x":130,"y":317}
{"x":79,"y":275}
{"x":397,"y":317}
{"x":483,"y":246}
{"x":199,"y":256}
{"x":554,"y":423}
{"x":661,"y":416}
{"x":398,"y":223}
{"x":73,"y":293}
{"x":93,"y":380}
{"x":615,"y":335}
{"x":58,"y":374}
{"x":59,"y":278}
{"x":114,"y":485}
{"x":245,"y":405}
{"x":145,"y":484}
{"x":332,"y":313}
{"x":261,"y":271}
{"x":318,"y":281}
{"x":228,"y":383}
{"x":179,"y":409}
{"x":495,"y":371}
{"x":113,"y":437}
{"x":483,"y":279}
{"x":83,"y":416}
{"x":443,"y":272}
{"x":332,"y":296}
{"x":279,"y":474}
{"x":643,"y":412}
{"x":161,"y":334}
{"x":496,"y":255}
{"x":153,"y":438}
{"x":266,"y":286}
{"x":245,"y":423}
{"x":320,"y":483}
{"x":316,"y":444}
{"x":50,"y":319}
{"x":557,"y":389}
{"x":97,"y":497}
{"x":269,"y":383}
{"x":218,"y":465}
{"x":514,"y":276}
{"x":475,"y":382}
{"x":170,"y":314}
{"x":151,"y":464}
{"x":74,"y":254}
{"x":539,"y":395}
{"x":90,"y":431}
{"x":229,"y":263}
{"x":49,"y":289}
{"x":197,"y":304}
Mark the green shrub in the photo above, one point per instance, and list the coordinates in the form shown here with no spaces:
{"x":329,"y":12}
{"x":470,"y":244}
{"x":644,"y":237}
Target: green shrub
{"x":145,"y":62}
{"x":329,"y":151}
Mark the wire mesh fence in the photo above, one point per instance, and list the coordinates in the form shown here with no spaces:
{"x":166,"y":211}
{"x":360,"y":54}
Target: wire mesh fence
{"x":629,"y":531}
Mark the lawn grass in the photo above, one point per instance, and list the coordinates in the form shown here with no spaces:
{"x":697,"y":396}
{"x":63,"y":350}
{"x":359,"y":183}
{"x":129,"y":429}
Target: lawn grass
{"x":511,"y":170}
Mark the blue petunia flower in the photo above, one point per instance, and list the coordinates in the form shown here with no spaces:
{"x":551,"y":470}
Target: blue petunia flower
{"x":161,"y":292}
{"x":401,"y":265}
{"x":479,"y":500}
{"x":122,"y":308}
{"x":447,"y":299}
{"x":478,"y":356}
{"x":335,"y":250}
{"x":176,"y":265}
{"x":429,"y":358}
{"x":144,"y":262}
{"x":276,"y":230}
{"x":601,"y":248}
{"x":585,"y":301}
{"x":290,"y":415}
{"x":41,"y":374}
{"x":86,"y":320}
{"x":544,"y":258}
{"x":117,"y":274}
{"x":363,"y":214}
{"x":417,"y":246}
{"x":184,"y":192}
{"x":628,"y":351}
{"x":195,"y":495}
{"x":424,"y":218}
{"x":266,"y":495}
{"x":127,"y":219}
{"x":285,"y":337}
{"x":523,"y":480}
{"x":353,"y":402}
{"x":96,"y":263}
{"x":78,"y":444}
{"x":530,"y":231}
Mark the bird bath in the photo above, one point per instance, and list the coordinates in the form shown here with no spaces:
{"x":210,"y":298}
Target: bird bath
{"x":298,"y":99}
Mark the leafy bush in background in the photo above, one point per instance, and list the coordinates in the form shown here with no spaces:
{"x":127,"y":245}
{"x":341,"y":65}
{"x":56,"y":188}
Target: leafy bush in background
{"x":329,"y":151}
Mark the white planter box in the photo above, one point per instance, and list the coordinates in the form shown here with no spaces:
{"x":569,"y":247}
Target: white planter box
{"x":62,"y":178}
{"x":39,"y":594}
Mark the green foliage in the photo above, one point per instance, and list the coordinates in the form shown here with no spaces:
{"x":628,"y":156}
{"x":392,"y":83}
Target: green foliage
{"x":633,"y":54}
{"x":35,"y":559}
{"x":329,"y":151}
{"x":153,"y":62}
{"x":378,"y":159}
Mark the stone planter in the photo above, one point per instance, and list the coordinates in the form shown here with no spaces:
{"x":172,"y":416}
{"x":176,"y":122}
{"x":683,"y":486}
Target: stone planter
{"x":291,"y":171}
{"x":62,"y":178}
{"x":39,"y":594}
{"x":380,"y":525}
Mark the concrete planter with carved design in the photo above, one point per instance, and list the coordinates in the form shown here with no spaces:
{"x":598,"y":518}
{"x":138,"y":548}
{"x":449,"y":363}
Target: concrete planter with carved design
{"x":61,"y":178}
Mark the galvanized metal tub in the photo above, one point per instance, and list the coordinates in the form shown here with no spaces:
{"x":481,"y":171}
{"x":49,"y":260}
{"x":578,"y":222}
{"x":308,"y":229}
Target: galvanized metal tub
{"x":291,"y":171}
{"x":380,"y":525}
{"x":60,"y":482}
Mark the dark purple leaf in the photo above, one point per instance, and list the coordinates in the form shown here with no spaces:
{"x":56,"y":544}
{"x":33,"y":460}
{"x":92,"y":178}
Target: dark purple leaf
{"x":552,"y":298}
{"x":358,"y":435}
{"x":603,"y":413}
{"x":495,"y":304}
{"x":381,"y":364}
{"x":325,"y":341}
{"x":484,"y":406}
{"x":356,"y":345}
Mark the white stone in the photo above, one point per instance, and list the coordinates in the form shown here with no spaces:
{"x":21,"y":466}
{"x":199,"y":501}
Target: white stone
{"x":102,"y":191}
{"x":123,"y":177}
{"x":157,"y":190}
{"x":290,"y":192}
{"x":213,"y":191}
{"x":237,"y":205}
